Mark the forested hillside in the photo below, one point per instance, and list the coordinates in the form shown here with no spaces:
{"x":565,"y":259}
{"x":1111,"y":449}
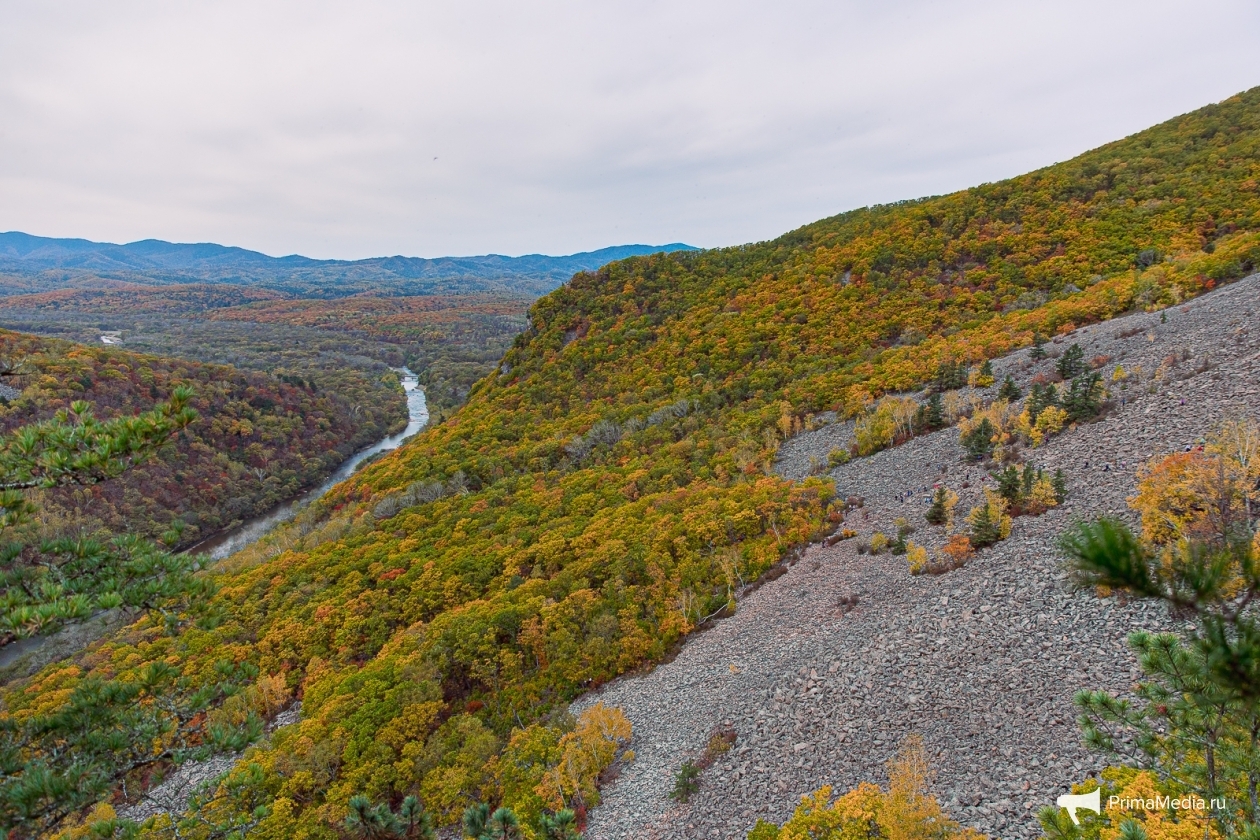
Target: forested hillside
{"x":259,"y":440}
{"x":449,"y":341}
{"x":606,"y":489}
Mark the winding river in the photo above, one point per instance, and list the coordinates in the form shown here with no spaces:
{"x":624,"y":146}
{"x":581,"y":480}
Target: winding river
{"x":76,"y":635}
{"x":229,"y":542}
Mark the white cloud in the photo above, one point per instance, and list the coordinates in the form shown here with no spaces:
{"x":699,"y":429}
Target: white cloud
{"x":359,"y":129}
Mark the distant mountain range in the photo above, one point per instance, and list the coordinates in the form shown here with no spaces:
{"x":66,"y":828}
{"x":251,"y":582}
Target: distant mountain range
{"x":36,"y":263}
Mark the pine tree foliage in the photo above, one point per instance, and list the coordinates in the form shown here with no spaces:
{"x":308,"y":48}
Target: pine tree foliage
{"x":984,"y":377}
{"x":379,"y":822}
{"x":562,"y":825}
{"x":980,"y":442}
{"x":1192,"y":722}
{"x":54,"y":762}
{"x":937,"y":513}
{"x":1041,"y":397}
{"x":1072,"y":362}
{"x":951,"y":375}
{"x":43,"y":586}
{"x":1009,"y":391}
{"x":1038,"y":351}
{"x":1084,"y":396}
{"x":989,"y":521}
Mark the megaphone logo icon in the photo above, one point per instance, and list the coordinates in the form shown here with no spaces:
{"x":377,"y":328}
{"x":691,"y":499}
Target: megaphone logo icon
{"x":1089,"y":801}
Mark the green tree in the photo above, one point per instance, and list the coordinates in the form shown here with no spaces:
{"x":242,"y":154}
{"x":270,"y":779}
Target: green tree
{"x":1027,"y":479}
{"x":1059,"y":483}
{"x":935,"y":414}
{"x":1072,"y":362}
{"x":480,"y":824}
{"x":1084,"y":396}
{"x":1009,"y":482}
{"x":1038,"y":351}
{"x":53,"y":763}
{"x":951,"y":375}
{"x":686,"y":782}
{"x":503,"y":825}
{"x":937,"y":514}
{"x":1196,"y":718}
{"x":476,"y":820}
{"x":43,"y":586}
{"x":74,"y":447}
{"x":979,"y":441}
{"x":562,"y":825}
{"x":378,"y":822}
{"x":1041,"y":397}
{"x":987,"y":522}
{"x":1009,"y":391}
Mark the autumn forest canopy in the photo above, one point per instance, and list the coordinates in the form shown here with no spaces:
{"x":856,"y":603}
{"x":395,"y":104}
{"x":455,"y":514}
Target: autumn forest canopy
{"x":602,"y":491}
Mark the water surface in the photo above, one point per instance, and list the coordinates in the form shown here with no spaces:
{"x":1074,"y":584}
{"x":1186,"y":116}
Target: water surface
{"x":229,"y":542}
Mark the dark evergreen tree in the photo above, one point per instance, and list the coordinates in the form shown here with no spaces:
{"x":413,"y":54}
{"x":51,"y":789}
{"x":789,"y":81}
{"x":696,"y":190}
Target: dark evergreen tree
{"x":686,"y":782}
{"x":986,"y":370}
{"x":1027,"y":480}
{"x":979,"y":441}
{"x":1009,"y":484}
{"x":369,"y":821}
{"x":106,"y":729}
{"x":1084,"y":397}
{"x":1072,"y":362}
{"x":937,"y":513}
{"x":951,"y":375}
{"x":1009,"y":390}
{"x":934,"y":412}
{"x":561,"y":825}
{"x":984,"y":531}
{"x":1059,"y":483}
{"x":1041,"y":397}
{"x":43,"y":586}
{"x":898,"y":546}
{"x":1038,"y":351}
{"x":1193,"y":716}
{"x":502,"y":825}
{"x":476,"y":820}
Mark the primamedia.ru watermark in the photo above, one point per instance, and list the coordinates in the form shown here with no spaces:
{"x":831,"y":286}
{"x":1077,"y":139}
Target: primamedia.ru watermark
{"x":1165,"y":803}
{"x":1092,"y":801}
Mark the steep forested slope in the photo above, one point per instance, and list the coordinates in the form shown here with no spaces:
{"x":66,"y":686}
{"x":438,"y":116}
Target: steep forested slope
{"x":259,"y":439}
{"x":606,"y":489}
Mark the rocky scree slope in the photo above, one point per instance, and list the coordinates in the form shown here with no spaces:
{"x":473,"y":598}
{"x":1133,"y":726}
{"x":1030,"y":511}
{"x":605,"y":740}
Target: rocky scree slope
{"x":982,"y":661}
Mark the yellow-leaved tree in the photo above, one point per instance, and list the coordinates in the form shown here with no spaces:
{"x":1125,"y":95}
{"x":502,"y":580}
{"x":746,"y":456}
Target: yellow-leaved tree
{"x":903,"y":811}
{"x":1206,"y":494}
{"x":584,"y":753}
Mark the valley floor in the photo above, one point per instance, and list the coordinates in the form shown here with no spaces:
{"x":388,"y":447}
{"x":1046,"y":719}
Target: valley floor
{"x":982,"y":661}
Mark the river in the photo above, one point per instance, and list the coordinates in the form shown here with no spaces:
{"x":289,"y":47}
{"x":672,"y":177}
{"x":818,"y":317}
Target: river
{"x":229,"y":542}
{"x":76,"y":635}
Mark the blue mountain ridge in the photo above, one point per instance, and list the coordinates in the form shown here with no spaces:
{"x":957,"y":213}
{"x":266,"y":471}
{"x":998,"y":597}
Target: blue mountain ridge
{"x":49,"y":263}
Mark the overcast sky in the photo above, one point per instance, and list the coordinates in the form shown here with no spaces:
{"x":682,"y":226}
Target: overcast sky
{"x":423,"y":128}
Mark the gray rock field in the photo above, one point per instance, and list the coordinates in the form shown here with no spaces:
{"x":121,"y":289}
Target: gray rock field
{"x":982,"y":662}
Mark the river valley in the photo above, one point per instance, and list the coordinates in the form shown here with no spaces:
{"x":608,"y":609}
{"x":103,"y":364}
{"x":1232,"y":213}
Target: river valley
{"x":227,"y":543}
{"x":26,"y":655}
